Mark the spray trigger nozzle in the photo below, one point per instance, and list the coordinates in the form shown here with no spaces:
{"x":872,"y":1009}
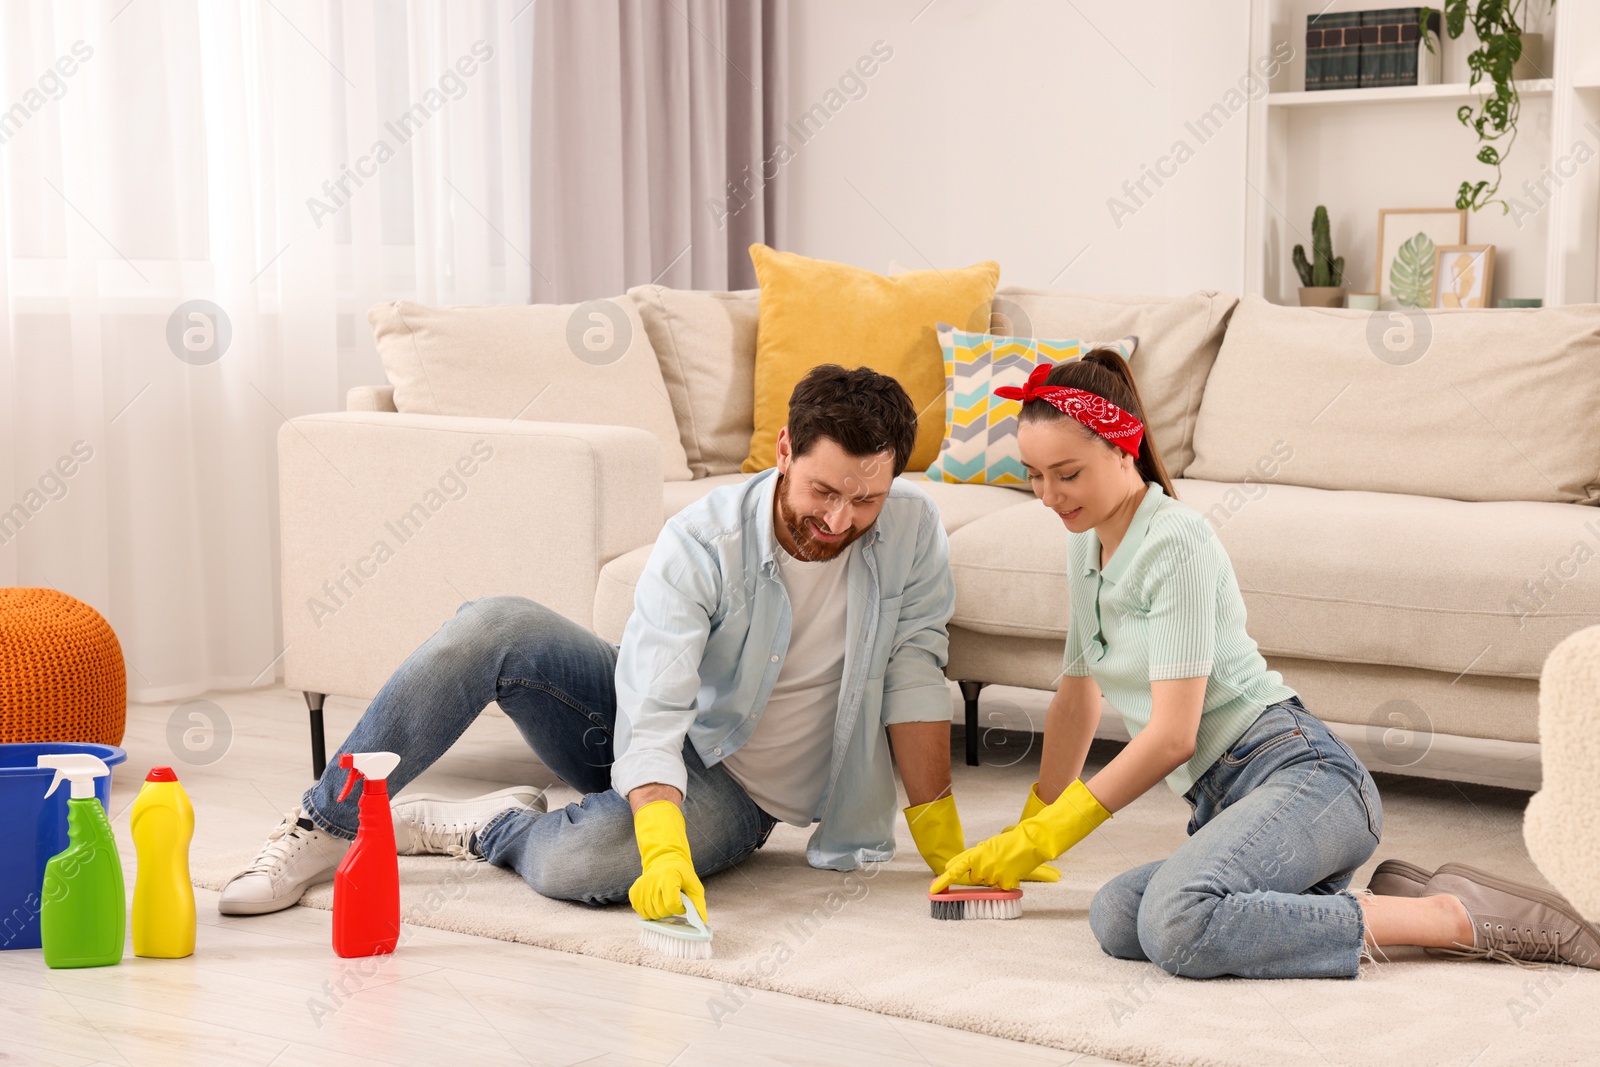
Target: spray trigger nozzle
{"x":349,"y":779}
{"x":374,"y":765}
{"x":79,"y":768}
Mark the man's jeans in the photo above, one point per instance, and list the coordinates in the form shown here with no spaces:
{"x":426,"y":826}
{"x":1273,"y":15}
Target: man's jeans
{"x":1281,"y":822}
{"x":553,"y":679}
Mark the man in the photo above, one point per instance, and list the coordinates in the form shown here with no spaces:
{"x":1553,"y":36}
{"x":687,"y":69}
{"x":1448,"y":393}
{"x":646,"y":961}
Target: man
{"x":786,"y":632}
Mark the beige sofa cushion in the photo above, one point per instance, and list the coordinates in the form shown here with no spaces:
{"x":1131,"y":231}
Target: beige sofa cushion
{"x":584,"y":363}
{"x":675,"y":496}
{"x":960,"y":504}
{"x":1356,"y":577}
{"x":1408,"y":581}
{"x":613,"y":596}
{"x":1500,"y":405}
{"x":706,"y":343}
{"x":1011,"y":574}
{"x":1178,"y":341}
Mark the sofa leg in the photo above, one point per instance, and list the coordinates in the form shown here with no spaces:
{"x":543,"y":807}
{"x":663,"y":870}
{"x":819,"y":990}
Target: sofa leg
{"x":969,"y":693}
{"x":319,"y":743}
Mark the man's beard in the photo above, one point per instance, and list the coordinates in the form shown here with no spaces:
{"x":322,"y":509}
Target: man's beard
{"x":811,"y":550}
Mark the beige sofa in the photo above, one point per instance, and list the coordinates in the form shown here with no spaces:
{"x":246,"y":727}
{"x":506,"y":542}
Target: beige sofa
{"x":1408,"y":500}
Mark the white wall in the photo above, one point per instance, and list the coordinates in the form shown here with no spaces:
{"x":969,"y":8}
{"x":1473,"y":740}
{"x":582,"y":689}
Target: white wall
{"x":999,"y":129}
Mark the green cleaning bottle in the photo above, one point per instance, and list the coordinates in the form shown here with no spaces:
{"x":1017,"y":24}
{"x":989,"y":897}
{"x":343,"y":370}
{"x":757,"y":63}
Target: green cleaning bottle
{"x":84,"y":911}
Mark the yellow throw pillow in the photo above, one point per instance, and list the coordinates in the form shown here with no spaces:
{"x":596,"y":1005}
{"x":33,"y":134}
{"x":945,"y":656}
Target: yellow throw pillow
{"x":814,"y":312}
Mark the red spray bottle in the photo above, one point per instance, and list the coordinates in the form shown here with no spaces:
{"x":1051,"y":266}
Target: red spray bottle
{"x":366,"y":888}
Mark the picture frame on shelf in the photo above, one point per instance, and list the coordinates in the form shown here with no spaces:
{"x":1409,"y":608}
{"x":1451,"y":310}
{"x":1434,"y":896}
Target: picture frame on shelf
{"x":1407,"y":240}
{"x":1463,"y":276}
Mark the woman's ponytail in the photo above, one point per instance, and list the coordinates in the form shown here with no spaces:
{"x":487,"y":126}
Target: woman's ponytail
{"x":1104,"y":372}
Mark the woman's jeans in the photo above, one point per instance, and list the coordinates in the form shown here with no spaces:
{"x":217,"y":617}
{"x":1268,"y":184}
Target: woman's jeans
{"x":554,"y":680}
{"x":1260,"y":890}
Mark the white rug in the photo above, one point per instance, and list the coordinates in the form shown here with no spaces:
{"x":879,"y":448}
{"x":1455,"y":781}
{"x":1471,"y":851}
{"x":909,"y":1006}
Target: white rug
{"x":865,"y":939}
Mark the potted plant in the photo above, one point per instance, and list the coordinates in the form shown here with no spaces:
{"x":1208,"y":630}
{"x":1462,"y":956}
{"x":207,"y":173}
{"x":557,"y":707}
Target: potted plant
{"x":1498,"y":24}
{"x":1321,"y":281}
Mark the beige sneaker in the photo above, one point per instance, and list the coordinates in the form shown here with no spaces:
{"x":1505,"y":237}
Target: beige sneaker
{"x":1397,"y":878}
{"x":1515,"y":923}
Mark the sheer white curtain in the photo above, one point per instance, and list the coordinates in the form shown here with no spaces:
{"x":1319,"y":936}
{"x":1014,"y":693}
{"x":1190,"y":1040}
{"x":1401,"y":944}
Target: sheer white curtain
{"x":288,"y":163}
{"x":661,"y":132}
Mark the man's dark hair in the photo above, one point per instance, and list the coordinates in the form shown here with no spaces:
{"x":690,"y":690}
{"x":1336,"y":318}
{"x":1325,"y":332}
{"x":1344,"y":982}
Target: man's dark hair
{"x":864,"y":411}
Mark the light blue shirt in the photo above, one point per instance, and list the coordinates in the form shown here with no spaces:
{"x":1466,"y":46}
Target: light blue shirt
{"x":710,"y":625}
{"x":1167,"y":605}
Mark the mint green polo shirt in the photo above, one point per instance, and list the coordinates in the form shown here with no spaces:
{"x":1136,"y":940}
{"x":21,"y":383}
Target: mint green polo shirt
{"x":1166,"y":606}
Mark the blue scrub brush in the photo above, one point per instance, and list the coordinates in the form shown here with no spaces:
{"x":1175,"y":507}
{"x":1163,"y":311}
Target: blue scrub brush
{"x":685,"y":936}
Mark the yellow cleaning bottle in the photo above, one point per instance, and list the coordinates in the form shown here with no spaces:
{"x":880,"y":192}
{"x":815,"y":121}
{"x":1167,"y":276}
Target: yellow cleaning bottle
{"x":163,"y":898}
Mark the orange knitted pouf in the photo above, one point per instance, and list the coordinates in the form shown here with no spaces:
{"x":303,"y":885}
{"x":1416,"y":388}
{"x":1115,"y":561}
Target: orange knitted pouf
{"x":61,"y":672}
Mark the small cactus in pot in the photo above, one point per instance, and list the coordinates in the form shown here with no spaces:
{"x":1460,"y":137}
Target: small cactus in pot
{"x":1322,"y":278}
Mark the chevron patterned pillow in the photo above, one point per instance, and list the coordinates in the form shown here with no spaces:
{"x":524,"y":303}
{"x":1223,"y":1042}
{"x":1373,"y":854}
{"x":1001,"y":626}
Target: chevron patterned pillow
{"x":980,"y":429}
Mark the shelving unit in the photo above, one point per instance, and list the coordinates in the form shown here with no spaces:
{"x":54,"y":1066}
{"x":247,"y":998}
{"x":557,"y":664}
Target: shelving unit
{"x":1360,"y":150}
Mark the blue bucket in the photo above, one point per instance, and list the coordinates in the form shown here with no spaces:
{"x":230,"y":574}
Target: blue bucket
{"x":33,"y":828}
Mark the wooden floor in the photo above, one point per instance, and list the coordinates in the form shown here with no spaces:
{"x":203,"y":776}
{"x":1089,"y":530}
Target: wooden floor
{"x":269,"y":990}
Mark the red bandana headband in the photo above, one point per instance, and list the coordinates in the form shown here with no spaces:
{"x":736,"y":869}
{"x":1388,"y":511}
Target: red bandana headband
{"x":1091,"y":409}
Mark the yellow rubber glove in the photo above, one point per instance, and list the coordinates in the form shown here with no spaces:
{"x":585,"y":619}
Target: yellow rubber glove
{"x":1002,"y":860}
{"x":936,"y":828}
{"x":668,"y":868}
{"x":1031,"y":807}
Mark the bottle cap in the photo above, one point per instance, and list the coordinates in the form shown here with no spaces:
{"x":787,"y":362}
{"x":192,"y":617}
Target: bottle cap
{"x":161,"y":774}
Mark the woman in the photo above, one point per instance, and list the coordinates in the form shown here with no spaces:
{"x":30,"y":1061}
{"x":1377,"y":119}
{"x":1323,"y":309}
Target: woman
{"x":1283,"y":811}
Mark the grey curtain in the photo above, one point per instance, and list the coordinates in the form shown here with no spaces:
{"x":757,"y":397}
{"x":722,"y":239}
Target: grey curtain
{"x":656,"y":126}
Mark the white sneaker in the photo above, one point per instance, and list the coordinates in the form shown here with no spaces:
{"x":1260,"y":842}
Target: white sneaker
{"x":292,"y":860}
{"x":428,"y":824}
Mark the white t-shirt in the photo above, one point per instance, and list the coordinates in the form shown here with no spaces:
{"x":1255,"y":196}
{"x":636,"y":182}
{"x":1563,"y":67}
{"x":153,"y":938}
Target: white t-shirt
{"x":784,"y":764}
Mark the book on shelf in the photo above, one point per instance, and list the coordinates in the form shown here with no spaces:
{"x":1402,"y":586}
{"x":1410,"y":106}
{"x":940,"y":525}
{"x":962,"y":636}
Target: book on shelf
{"x":1370,"y":49}
{"x":1378,"y":59}
{"x":1313,"y":53}
{"x":1333,"y":50}
{"x":1392,"y":51}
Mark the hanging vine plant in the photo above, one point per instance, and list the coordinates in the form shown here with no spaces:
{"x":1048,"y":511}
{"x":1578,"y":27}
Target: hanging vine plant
{"x":1498,"y":24}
